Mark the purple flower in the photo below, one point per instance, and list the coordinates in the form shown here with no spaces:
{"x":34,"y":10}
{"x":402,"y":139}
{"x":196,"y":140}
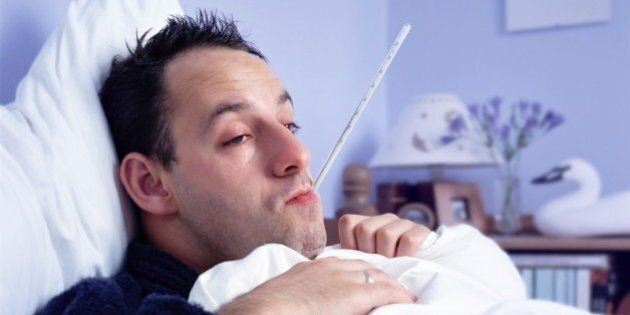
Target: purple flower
{"x":547,"y":118}
{"x":523,"y":106}
{"x":551,"y":120}
{"x":489,"y":117}
{"x":495,"y":106}
{"x":556,"y":121}
{"x":505,"y":132}
{"x":485,"y":114}
{"x":536,"y":109}
{"x":530,"y":123}
{"x":474,"y":110}
{"x":509,"y":131}
{"x":495,"y":103}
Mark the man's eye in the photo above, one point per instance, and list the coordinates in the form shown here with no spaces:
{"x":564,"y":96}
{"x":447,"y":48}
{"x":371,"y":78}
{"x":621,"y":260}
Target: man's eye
{"x":293,"y":127}
{"x":237,"y":140}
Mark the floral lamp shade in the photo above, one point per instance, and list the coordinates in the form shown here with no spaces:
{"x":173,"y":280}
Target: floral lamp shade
{"x":418,"y":137}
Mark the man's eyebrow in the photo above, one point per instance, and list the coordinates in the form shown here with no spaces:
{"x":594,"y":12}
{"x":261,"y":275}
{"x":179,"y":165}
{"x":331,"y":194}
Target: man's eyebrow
{"x":284,"y":97}
{"x":222,"y":109}
{"x":237,"y":107}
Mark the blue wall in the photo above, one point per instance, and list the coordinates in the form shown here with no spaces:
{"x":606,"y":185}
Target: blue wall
{"x":326,"y":52}
{"x":462,"y":47}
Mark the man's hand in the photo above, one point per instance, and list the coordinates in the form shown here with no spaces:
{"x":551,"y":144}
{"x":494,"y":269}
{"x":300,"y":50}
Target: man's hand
{"x":322,"y":286}
{"x":385,"y":234}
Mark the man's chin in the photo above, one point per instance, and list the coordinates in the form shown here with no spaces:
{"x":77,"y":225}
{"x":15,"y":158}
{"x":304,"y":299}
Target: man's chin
{"x":312,"y":253}
{"x":314,"y":243}
{"x":304,"y":231}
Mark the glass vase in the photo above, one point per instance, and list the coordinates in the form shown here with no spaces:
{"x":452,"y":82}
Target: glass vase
{"x":508,"y":219}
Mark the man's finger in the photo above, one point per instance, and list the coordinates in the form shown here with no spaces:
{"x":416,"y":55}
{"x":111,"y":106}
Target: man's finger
{"x":388,"y":292}
{"x":365,"y":231}
{"x":346,"y":230}
{"x":388,"y":236}
{"x":411,"y":240}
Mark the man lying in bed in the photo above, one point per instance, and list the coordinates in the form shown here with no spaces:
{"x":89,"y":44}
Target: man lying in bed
{"x":206,"y":139}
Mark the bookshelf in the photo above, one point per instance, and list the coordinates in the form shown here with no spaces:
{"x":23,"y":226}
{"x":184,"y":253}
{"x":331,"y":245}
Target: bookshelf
{"x":616,"y":249}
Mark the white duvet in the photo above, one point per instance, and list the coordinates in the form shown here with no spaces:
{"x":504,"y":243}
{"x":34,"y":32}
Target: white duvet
{"x":456,"y":271}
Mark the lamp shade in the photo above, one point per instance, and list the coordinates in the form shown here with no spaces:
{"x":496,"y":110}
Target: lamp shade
{"x":417,"y":138}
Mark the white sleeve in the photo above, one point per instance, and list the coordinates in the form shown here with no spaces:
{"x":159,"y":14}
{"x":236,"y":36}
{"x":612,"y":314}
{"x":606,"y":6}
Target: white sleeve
{"x":467,"y":250}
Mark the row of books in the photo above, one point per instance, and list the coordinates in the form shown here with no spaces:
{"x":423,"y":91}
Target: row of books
{"x":581,"y":280}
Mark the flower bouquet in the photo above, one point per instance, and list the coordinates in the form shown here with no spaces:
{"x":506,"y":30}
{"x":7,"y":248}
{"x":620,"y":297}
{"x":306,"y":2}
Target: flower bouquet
{"x":506,"y":132}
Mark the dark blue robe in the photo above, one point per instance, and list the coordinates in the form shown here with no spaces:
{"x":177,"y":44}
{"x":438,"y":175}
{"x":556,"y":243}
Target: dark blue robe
{"x":152,"y":282}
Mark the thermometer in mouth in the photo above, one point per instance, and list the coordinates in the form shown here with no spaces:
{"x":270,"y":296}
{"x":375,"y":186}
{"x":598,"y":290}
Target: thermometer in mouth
{"x":393,"y":50}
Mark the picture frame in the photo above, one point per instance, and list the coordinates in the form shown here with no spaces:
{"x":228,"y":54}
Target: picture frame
{"x":418,"y":213}
{"x":455,"y":203}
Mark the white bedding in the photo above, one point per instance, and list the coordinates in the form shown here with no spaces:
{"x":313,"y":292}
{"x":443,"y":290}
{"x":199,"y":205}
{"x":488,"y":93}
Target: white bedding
{"x":62,"y":214}
{"x":456,"y":271}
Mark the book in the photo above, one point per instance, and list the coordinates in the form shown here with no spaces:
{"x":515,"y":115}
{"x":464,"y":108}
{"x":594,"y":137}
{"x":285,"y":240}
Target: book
{"x":560,"y":288}
{"x":571,"y":284}
{"x":528,"y":278}
{"x":583,"y":289}
{"x":543,"y":284}
{"x":599,"y":291}
{"x":581,"y":280}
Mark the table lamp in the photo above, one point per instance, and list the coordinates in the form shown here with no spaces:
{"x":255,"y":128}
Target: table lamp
{"x":418,"y":140}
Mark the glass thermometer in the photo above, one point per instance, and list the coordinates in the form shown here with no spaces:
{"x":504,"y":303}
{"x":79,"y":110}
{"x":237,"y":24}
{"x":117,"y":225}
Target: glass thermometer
{"x":393,"y":50}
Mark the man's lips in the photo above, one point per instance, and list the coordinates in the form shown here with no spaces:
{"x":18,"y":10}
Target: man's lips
{"x":303,"y":197}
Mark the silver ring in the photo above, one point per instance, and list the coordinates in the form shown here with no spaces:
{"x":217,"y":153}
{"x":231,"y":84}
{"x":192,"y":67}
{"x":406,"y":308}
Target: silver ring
{"x":368,"y":277}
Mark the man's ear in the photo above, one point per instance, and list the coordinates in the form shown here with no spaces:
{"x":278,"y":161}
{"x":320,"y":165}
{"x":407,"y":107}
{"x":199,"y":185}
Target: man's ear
{"x":141,"y":177}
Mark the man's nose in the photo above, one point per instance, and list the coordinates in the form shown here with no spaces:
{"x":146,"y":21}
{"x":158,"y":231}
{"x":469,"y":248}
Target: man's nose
{"x":290,"y":156}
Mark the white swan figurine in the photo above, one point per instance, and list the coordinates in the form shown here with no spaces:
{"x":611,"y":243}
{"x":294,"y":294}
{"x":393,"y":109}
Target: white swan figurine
{"x":582,"y":212}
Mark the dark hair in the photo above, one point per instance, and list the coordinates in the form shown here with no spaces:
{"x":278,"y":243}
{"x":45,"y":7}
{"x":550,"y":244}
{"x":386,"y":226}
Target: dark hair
{"x":133,"y":96}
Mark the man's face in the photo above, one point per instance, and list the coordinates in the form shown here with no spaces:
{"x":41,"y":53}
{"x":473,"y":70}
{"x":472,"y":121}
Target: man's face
{"x":241,"y":177}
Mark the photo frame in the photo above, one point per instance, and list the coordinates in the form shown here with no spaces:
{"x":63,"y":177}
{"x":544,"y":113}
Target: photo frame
{"x":418,"y":213}
{"x":454,"y":203}
{"x":434,"y":203}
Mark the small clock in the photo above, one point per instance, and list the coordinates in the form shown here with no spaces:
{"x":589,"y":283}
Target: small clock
{"x":419,"y":213}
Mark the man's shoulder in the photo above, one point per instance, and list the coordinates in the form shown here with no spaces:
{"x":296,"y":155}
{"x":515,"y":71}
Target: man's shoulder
{"x":120,"y":294}
{"x":115,"y":294}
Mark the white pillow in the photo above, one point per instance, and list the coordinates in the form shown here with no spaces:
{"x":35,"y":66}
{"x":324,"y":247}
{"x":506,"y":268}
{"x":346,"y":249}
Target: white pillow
{"x":63,"y":216}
